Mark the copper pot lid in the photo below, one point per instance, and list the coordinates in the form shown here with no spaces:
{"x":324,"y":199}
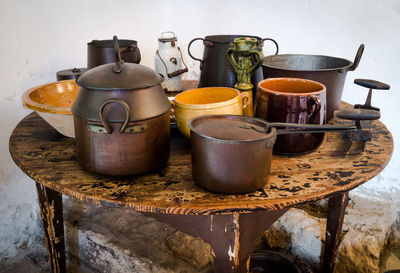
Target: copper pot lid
{"x":119,"y":75}
{"x":230,"y":128}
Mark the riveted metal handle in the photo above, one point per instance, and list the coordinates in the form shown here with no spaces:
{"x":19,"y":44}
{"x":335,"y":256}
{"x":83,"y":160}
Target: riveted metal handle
{"x":106,"y":125}
{"x":118,"y":62}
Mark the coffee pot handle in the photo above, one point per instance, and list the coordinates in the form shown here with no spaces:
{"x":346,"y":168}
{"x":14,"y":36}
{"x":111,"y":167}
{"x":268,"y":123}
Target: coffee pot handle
{"x":261,"y":44}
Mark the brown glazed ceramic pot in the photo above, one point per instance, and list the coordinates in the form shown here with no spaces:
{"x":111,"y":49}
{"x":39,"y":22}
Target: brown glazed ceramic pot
{"x":293,"y":100}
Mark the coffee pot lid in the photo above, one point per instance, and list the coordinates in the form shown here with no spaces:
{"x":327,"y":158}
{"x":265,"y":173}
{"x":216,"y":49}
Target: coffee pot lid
{"x":119,"y":75}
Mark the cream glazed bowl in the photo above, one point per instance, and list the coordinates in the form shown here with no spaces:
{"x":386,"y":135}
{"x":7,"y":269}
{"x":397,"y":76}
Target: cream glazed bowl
{"x":52,"y":102}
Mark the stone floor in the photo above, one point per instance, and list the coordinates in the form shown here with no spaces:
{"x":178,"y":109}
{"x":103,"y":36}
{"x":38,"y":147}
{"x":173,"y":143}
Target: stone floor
{"x":101,"y":239}
{"x":34,"y":260}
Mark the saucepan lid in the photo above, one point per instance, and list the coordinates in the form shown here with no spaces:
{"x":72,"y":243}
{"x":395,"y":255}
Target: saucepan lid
{"x":231,"y":128}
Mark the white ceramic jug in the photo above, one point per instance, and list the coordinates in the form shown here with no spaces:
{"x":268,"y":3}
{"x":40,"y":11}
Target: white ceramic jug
{"x":168,"y":62}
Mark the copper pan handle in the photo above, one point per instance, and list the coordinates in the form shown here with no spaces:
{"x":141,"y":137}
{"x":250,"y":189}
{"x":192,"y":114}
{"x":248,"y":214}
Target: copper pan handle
{"x":105,"y":123}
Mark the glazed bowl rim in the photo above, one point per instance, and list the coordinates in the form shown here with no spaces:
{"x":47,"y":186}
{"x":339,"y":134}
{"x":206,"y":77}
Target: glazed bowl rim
{"x":35,"y":106}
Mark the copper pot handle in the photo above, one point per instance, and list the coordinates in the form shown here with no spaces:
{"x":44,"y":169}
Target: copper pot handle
{"x":106,"y":125}
{"x":118,"y":62}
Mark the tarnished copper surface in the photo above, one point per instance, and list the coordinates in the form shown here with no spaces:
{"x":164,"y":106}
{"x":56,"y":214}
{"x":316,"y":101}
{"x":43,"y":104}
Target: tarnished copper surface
{"x":228,"y":155}
{"x":124,"y":153}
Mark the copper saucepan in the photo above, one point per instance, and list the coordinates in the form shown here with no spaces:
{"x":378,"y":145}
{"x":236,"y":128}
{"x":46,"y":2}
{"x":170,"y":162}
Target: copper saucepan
{"x":232,"y":154}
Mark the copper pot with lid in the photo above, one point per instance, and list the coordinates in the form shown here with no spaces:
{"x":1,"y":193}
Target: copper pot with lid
{"x":121,"y":119}
{"x":232,"y":154}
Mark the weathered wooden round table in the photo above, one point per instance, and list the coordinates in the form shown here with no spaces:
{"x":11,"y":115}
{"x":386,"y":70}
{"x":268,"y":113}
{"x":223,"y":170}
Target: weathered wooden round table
{"x":230,"y":223}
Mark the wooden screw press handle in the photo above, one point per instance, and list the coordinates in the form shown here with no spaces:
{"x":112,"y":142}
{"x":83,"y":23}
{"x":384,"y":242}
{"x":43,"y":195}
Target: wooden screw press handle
{"x":372,"y":84}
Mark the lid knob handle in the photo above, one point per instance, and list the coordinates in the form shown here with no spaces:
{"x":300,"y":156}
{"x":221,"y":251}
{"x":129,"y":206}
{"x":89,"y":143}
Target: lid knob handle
{"x":118,"y":62}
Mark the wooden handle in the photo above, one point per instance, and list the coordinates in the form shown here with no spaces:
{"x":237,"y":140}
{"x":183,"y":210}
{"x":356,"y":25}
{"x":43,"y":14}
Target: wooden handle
{"x":372,"y":84}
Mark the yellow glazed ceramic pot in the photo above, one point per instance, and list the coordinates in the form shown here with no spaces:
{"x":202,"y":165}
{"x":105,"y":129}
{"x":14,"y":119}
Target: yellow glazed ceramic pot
{"x":207,"y":101}
{"x":53,"y":101}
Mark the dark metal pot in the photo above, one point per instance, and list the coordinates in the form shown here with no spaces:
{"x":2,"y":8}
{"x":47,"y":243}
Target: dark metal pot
{"x":232,"y":154}
{"x":121,"y":119}
{"x":102,"y":52}
{"x":268,"y":261}
{"x":330,"y":71}
{"x":215,"y":67}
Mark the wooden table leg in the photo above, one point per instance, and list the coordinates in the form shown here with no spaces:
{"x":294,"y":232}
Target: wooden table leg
{"x":50,"y":203}
{"x":232,"y":236}
{"x":336,"y":208}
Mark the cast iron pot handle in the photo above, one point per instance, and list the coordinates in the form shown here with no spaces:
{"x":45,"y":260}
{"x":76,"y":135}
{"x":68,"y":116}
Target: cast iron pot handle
{"x":190,"y":54}
{"x":261,"y":43}
{"x":104,"y":121}
{"x":357,"y":59}
{"x":314,"y":107}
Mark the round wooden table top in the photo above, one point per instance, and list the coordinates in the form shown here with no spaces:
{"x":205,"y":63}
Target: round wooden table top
{"x":49,"y":158}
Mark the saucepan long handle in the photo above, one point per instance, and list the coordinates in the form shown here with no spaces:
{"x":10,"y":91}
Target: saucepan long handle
{"x":294,"y":128}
